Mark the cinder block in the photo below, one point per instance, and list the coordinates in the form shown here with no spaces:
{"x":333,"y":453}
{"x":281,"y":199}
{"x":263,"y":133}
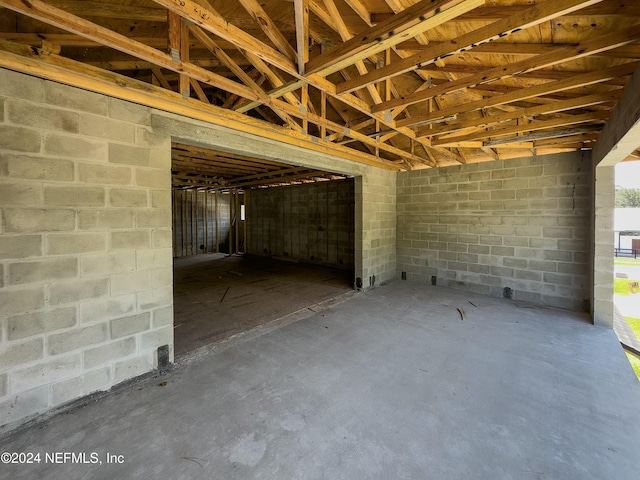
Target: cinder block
{"x":18,"y":85}
{"x":20,"y":246}
{"x":33,"y":168}
{"x":104,"y":174}
{"x":133,"y":239}
{"x":156,"y":298}
{"x":66,"y":390}
{"x":503,"y":173}
{"x":161,"y":199}
{"x":129,"y":112}
{"x":103,"y":127}
{"x":15,"y":354}
{"x":107,"y":308}
{"x":108,"y":264}
{"x":502,"y":251}
{"x":543,"y":265}
{"x":37,"y":323}
{"x":20,"y":139}
{"x":23,"y":404}
{"x":148,"y":259}
{"x":46,"y":372}
{"x":75,"y":243}
{"x":147,"y":138}
{"x":105,"y":219}
{"x":163,"y":317}
{"x":97,"y":380}
{"x":16,"y":301}
{"x":110,"y":352}
{"x":161,"y":238}
{"x":131,"y":368}
{"x":42,"y":271}
{"x":557,"y":232}
{"x":31,"y":114}
{"x":514,"y":262}
{"x":154,"y":179}
{"x":75,"y":147}
{"x":74,"y":196}
{"x":20,"y":194}
{"x":75,"y":339}
{"x":75,"y":99}
{"x":130,"y":282}
{"x":128,"y":198}
{"x":129,"y":155}
{"x":156,"y":338}
{"x":78,"y":290}
{"x":122,"y":327}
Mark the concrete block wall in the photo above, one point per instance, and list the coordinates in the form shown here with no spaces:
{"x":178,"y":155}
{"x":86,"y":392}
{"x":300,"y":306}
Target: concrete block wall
{"x":311,"y":222}
{"x":376,"y":227}
{"x":522,"y":224}
{"x":191,"y":214}
{"x":85,"y":244}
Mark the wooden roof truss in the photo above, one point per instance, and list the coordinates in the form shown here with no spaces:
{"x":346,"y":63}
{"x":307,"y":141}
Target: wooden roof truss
{"x":400,"y":84}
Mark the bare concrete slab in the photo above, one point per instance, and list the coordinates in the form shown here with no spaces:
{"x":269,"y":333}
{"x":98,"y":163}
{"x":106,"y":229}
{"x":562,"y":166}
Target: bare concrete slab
{"x":406,"y":381}
{"x":217,"y":295}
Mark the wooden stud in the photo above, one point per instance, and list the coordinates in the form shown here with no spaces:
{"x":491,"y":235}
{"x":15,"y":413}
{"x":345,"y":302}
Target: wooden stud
{"x":217,"y":219}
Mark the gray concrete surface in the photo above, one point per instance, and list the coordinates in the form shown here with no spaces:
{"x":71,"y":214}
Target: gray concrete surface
{"x":405,"y":381}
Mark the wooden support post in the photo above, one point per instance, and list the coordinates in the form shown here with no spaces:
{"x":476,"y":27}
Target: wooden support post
{"x":246,"y":219}
{"x":230,"y":222}
{"x":206,"y":221}
{"x":217,"y":219}
{"x":197,"y":235}
{"x":184,"y":223}
{"x":237,"y":208}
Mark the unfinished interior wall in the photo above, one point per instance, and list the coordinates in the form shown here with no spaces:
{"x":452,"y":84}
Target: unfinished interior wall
{"x":201,"y":222}
{"x":375,"y":188}
{"x":86,"y":240}
{"x":309,"y":223}
{"x":522,"y":224}
{"x":85,"y":244}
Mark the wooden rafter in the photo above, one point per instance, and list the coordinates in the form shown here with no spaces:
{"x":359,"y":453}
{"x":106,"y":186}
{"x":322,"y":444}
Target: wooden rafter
{"x":412,"y":21}
{"x":430,"y":54}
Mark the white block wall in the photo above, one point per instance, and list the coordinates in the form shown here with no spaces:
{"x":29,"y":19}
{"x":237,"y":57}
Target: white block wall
{"x":523,"y":224}
{"x":85,"y":244}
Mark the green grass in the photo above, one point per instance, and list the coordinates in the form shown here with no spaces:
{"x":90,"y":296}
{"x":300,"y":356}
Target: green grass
{"x":634,"y":323}
{"x":621,"y":286}
{"x":635,"y":363}
{"x":627,"y":262}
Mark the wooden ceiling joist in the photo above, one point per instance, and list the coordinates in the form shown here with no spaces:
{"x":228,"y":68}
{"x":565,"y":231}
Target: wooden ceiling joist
{"x":400,"y":84}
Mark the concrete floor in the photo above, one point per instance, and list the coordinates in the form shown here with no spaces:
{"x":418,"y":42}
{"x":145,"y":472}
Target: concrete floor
{"x":405,"y":381}
{"x":217,"y":296}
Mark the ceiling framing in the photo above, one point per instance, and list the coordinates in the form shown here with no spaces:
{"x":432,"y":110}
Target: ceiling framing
{"x":401,"y":84}
{"x":196,"y":168}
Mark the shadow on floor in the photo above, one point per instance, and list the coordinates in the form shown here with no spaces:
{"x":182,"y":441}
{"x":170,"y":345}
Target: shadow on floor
{"x":217,"y":296}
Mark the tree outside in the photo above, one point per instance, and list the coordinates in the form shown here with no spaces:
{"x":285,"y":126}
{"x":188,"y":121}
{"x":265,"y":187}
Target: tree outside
{"x":627,"y":198}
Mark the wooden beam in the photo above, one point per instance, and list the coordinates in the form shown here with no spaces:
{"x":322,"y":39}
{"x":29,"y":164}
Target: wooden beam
{"x":269,"y":28}
{"x":589,"y":47}
{"x":301,"y":12}
{"x":87,"y":8}
{"x":547,"y":109}
{"x":533,"y":137}
{"x":526,"y":93}
{"x":32,"y":61}
{"x":362,"y":11}
{"x":419,"y":18}
{"x":522,"y":20}
{"x":599,"y":117}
